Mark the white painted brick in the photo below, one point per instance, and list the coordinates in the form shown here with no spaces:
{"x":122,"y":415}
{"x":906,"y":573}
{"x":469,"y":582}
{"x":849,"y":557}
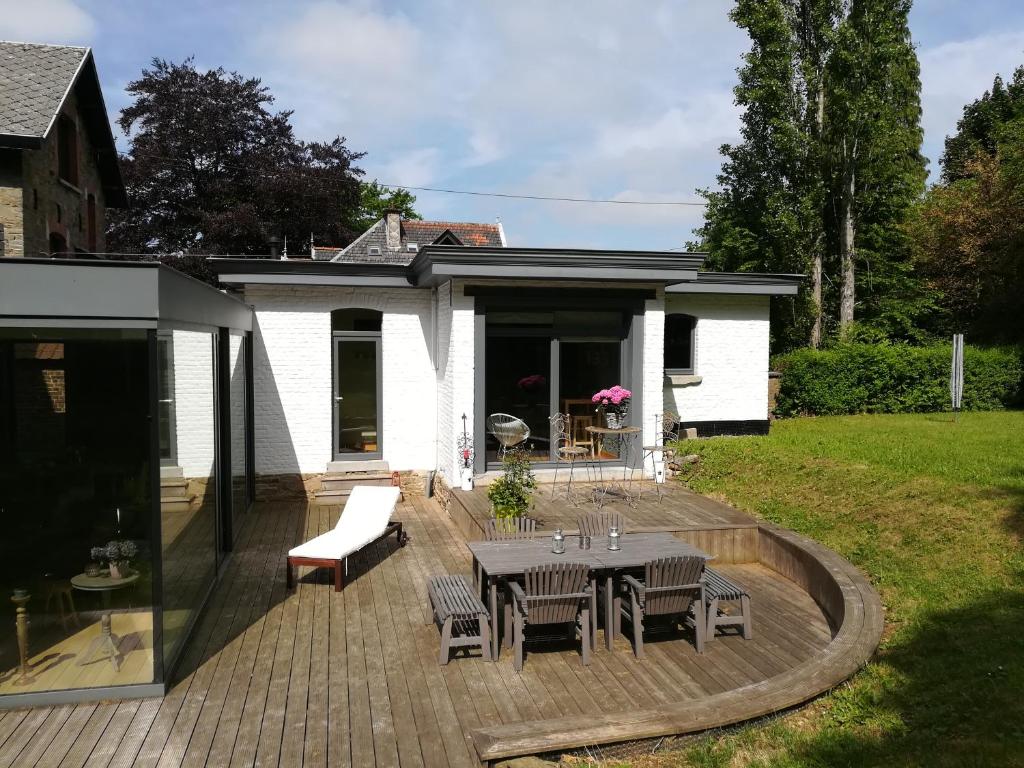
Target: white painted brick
{"x":292,"y":375}
{"x":731,"y":358}
{"x":194,"y":416}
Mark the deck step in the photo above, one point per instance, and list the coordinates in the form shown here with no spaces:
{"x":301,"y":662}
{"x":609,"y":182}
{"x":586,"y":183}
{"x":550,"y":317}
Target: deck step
{"x":175,"y":503}
{"x":338,"y":481}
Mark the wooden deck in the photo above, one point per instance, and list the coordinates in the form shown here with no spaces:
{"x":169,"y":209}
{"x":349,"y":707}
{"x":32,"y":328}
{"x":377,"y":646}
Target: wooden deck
{"x":317,"y":678}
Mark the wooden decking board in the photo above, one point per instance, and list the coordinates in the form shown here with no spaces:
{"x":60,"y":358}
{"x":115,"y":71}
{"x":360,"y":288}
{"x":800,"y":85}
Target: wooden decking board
{"x":319,"y":678}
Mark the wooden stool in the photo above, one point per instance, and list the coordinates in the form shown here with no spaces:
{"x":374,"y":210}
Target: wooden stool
{"x":460,"y":615}
{"x":718,"y":588}
{"x":62,"y":591}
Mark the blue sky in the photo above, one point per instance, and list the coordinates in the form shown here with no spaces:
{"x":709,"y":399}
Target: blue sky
{"x":583,"y":99}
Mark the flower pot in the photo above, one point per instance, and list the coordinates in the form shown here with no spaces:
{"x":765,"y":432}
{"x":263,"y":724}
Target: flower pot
{"x":615,"y":420}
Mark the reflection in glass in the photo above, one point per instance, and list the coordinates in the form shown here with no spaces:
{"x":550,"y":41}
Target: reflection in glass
{"x":517,"y":376}
{"x":355,"y":396}
{"x":188,"y":498}
{"x":237,"y":395}
{"x":584,"y":368}
{"x":75,"y":505}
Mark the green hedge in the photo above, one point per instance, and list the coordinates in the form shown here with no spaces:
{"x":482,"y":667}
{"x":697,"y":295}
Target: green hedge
{"x":895,"y":378}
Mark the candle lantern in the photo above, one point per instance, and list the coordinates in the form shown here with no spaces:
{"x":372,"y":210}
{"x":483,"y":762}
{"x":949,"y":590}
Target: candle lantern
{"x":613,"y":538}
{"x":558,"y":542}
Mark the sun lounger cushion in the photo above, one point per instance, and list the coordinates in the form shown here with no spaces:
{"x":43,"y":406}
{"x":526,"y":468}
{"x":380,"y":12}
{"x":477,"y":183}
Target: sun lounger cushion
{"x":365,"y":516}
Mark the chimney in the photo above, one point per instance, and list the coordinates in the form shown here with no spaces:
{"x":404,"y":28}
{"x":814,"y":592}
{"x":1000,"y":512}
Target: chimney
{"x":393,"y":228}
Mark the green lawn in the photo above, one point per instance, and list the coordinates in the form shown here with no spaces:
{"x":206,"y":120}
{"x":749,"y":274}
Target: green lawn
{"x":933,"y":512}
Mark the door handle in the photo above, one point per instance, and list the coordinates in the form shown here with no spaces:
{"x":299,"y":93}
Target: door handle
{"x":165,"y":401}
{"x":338,"y":398}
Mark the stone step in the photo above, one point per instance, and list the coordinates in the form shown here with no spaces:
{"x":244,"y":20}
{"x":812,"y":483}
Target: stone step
{"x":347,"y":480}
{"x":331,"y":496}
{"x":373,"y":465}
{"x":175,"y":503}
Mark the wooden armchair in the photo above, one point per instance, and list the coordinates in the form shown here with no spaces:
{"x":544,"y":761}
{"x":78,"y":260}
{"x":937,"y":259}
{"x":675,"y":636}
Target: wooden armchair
{"x":672,"y":586}
{"x":502,"y":528}
{"x":598,"y":523}
{"x":552,"y":594}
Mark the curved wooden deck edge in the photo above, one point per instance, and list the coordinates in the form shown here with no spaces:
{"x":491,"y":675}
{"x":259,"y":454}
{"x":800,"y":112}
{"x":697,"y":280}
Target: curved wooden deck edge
{"x":844,"y":594}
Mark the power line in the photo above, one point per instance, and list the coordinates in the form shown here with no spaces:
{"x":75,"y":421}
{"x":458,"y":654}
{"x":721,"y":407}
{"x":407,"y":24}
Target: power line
{"x":474,"y":193}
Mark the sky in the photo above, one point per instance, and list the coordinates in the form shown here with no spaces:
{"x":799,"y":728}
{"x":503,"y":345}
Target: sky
{"x":597,"y":99}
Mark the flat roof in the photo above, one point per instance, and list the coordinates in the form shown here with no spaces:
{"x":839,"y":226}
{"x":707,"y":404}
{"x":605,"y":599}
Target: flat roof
{"x":111,"y":294}
{"x":435,"y":264}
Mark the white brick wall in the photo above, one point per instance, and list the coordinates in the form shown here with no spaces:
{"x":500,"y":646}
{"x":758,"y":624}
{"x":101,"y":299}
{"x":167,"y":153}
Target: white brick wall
{"x":455,"y":373}
{"x":292,"y":375}
{"x":194,"y":415}
{"x":653,"y":366}
{"x":731,"y":358}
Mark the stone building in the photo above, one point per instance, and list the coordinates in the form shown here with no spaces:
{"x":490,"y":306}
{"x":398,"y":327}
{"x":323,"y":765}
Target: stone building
{"x":58,"y":163}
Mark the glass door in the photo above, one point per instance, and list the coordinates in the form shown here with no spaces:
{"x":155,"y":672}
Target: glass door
{"x":357,"y":395}
{"x":165,"y":399}
{"x":586,"y":366}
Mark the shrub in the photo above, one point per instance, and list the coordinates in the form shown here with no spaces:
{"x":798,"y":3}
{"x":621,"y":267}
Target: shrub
{"x":895,"y":378}
{"x":510,"y":494}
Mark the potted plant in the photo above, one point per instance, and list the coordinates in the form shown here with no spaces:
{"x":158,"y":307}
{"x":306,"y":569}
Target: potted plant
{"x":118,"y":556}
{"x":510,"y":494}
{"x":614,"y":404}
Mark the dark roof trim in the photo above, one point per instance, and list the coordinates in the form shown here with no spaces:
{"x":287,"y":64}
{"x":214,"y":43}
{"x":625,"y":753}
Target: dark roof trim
{"x":437,"y":263}
{"x":749,"y":283}
{"x":83,"y":293}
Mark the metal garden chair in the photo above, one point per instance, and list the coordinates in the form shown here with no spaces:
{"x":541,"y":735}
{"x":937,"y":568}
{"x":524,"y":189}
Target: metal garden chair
{"x":666,"y":434}
{"x":508,"y":430}
{"x":566,"y":451}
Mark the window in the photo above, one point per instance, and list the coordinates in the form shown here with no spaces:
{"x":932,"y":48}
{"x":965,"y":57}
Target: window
{"x":680,"y":334}
{"x":356,"y":320}
{"x":67,"y":150}
{"x":91,"y":212}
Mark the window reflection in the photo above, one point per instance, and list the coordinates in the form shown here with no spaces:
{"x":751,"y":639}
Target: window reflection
{"x":75,"y":505}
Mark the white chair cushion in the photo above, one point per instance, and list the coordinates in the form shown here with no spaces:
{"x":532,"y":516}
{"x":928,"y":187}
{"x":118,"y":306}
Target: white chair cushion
{"x":365,"y":516}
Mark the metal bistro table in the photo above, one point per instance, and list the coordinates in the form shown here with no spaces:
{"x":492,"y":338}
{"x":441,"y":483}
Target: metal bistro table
{"x":626,"y":437}
{"x":503,"y":560}
{"x":107,"y":640}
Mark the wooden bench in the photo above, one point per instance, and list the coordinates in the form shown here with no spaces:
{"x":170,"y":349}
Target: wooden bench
{"x":460,"y":615}
{"x":718,"y":588}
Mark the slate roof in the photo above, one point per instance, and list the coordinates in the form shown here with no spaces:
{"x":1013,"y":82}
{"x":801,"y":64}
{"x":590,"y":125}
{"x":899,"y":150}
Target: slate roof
{"x":413,"y":231}
{"x":34,"y":80}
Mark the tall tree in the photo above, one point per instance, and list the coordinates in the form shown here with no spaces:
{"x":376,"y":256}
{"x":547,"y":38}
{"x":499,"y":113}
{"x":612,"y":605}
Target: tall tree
{"x":212,"y":169}
{"x":873,"y":133}
{"x":829,"y":160}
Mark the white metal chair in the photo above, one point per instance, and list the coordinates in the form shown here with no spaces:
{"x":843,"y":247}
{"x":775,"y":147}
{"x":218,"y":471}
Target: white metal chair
{"x":662,"y":449}
{"x":508,"y":430}
{"x":567,"y":451}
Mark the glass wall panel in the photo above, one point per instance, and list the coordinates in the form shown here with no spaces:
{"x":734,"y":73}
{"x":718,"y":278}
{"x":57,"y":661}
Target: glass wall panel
{"x":76,"y":562}
{"x":586,"y":367}
{"x":517,"y":378}
{"x":237,"y":408}
{"x":188,"y":497}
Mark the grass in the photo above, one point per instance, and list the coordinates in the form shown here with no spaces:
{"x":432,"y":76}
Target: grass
{"x":933,"y":512}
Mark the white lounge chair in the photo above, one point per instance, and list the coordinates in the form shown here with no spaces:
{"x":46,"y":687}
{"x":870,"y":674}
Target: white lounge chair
{"x":365,"y":519}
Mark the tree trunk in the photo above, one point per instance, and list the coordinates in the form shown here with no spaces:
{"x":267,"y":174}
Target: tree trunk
{"x":847,"y":231}
{"x":816,"y":297}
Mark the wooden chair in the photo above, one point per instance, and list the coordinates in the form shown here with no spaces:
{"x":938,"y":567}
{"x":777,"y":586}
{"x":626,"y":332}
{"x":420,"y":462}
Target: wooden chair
{"x":552,"y":594}
{"x":672,"y":586}
{"x":502,"y":528}
{"x":598,"y":523}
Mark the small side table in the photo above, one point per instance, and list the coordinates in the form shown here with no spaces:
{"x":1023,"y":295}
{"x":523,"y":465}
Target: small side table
{"x":626,"y":436}
{"x":107,"y":641}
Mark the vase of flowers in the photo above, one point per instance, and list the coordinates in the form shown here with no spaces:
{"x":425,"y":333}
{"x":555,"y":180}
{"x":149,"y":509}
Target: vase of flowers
{"x":118,"y":556}
{"x":614,"y":404}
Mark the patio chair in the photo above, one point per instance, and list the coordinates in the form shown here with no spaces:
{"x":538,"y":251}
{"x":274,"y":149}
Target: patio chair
{"x":365,"y":519}
{"x":598,"y":523}
{"x":552,"y":594}
{"x":501,"y":528}
{"x":666,"y":434}
{"x":566,"y":451}
{"x":672,"y":586}
{"x":508,"y":430}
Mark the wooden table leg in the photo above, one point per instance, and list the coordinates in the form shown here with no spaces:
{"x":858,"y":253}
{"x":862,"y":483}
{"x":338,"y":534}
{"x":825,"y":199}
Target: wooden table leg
{"x":494,"y":618}
{"x":609,"y":619}
{"x":593,"y":612}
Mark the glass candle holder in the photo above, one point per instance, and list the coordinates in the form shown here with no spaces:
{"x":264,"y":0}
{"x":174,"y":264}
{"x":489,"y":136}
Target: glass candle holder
{"x":613,"y":538}
{"x":558,"y":542}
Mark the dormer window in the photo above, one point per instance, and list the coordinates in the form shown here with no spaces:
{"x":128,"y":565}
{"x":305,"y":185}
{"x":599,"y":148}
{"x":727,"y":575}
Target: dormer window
{"x":412,"y":247}
{"x":374,"y":250}
{"x":67,"y":150}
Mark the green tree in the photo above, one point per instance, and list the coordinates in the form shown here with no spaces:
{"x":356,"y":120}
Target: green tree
{"x":375,"y":200}
{"x":978,"y":129}
{"x":828,"y":165}
{"x":211,"y":169}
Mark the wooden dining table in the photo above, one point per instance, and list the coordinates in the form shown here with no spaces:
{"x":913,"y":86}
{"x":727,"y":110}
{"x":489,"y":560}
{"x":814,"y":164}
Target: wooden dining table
{"x":498,"y":561}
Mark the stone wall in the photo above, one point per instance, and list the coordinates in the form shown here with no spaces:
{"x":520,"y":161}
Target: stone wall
{"x":34,"y":202}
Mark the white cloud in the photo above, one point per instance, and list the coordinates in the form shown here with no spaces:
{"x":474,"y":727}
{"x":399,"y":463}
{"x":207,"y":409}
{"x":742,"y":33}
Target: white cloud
{"x":45,"y":21}
{"x":957,"y":72}
{"x":415,"y":168}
